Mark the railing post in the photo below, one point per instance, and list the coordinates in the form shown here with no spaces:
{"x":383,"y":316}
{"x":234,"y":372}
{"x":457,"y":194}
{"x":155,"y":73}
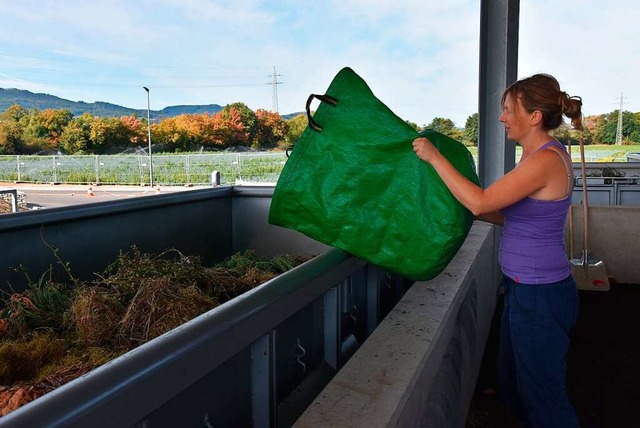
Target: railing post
{"x":97,"y":169}
{"x":187,"y":170}
{"x":18,"y":164}
{"x":55,"y":170}
{"x":215,"y":178}
{"x":140,"y":169}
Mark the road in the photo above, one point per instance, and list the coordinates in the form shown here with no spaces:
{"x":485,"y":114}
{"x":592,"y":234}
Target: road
{"x":39,"y":196}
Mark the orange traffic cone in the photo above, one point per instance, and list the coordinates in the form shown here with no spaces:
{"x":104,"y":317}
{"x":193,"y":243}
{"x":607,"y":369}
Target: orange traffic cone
{"x":90,"y":192}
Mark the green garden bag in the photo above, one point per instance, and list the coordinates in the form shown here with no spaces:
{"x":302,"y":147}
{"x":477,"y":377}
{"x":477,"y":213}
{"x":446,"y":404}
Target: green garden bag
{"x":353,"y":182}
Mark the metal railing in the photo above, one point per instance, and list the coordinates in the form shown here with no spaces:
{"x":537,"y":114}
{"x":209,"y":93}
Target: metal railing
{"x":180,"y":170}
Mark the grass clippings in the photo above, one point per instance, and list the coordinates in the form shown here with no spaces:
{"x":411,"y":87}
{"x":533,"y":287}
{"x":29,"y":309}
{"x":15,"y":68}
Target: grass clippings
{"x":54,"y":332}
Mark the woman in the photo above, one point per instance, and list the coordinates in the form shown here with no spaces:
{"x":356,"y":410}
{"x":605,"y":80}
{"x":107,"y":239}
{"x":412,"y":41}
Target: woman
{"x":532,"y":202}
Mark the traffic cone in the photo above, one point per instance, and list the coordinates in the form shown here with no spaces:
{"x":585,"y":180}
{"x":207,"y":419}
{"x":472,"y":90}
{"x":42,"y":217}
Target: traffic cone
{"x":90,"y":192}
{"x":158,"y":190}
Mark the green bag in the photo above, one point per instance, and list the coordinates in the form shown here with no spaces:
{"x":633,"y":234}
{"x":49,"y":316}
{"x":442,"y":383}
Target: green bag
{"x":353,"y":182}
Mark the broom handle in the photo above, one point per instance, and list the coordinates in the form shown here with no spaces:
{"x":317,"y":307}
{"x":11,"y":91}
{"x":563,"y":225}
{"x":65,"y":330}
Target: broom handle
{"x":585,"y":200}
{"x":570,"y":212}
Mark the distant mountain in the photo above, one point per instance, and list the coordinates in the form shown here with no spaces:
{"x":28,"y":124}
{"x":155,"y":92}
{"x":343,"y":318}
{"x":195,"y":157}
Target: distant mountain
{"x":29,"y":100}
{"x":292,"y":115}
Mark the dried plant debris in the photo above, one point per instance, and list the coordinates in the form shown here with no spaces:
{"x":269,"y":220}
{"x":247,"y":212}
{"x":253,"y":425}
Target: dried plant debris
{"x":161,"y":305}
{"x":53,"y":332}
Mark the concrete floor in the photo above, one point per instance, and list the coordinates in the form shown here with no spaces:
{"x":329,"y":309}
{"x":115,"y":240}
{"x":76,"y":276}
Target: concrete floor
{"x":603,"y":371}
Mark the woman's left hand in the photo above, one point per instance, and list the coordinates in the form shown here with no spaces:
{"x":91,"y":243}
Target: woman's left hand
{"x":425,"y":149}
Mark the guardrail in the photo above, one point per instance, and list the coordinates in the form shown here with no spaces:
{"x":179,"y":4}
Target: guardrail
{"x":170,"y":169}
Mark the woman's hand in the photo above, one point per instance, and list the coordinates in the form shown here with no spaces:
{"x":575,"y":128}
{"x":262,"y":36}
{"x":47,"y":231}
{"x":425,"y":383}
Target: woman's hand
{"x":425,"y":149}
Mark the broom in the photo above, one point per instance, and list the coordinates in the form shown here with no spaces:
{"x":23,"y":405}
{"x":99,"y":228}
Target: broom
{"x":589,"y":272}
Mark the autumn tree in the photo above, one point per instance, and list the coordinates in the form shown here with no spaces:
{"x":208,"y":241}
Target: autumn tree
{"x":247,"y":118}
{"x":76,"y":136}
{"x":10,"y":137}
{"x":296,"y":126}
{"x":167,"y":133}
{"x":134,"y":129}
{"x":44,"y":128}
{"x":109,"y":134}
{"x":11,"y":129}
{"x":271,"y":130}
{"x":229,"y":128}
{"x":186,"y":132}
{"x":15,"y":113}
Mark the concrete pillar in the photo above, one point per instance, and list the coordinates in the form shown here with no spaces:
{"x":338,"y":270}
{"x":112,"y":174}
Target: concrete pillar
{"x":499,"y":21}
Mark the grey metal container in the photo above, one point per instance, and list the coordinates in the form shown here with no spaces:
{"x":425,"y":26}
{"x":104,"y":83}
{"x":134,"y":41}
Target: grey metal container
{"x":257,"y":360}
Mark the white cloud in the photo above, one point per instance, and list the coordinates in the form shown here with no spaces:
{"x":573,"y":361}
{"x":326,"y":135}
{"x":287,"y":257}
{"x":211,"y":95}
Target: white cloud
{"x":420,"y":58}
{"x":592,"y":49}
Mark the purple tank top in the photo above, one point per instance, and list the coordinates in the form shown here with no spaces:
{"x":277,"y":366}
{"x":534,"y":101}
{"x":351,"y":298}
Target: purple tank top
{"x":532,"y":245}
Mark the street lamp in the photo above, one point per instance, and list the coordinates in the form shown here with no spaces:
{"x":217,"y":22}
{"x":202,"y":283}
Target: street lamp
{"x":149,"y":131}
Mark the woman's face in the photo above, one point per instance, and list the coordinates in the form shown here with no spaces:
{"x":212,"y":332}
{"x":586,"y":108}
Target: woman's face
{"x":512,"y":117}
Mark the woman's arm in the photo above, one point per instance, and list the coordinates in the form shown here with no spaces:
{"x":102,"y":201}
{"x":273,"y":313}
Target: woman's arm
{"x":519,"y":183}
{"x":493,"y":217}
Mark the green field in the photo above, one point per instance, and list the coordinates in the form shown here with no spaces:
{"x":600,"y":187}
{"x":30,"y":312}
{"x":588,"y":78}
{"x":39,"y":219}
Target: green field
{"x":592,"y":153}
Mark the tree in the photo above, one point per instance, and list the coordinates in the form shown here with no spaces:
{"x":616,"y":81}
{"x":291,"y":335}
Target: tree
{"x":76,"y":136}
{"x":15,"y":113}
{"x":44,"y":128}
{"x":54,"y":122}
{"x":470,"y":134}
{"x":445,"y":126}
{"x":297,"y":125}
{"x":634,"y":136}
{"x":135,"y":130}
{"x":11,"y":129}
{"x":108,"y":133}
{"x":413,"y":125}
{"x":169,"y":134}
{"x":607,"y":127}
{"x":10,"y":137}
{"x":230,"y":128}
{"x":271,"y":130}
{"x":247,"y":118}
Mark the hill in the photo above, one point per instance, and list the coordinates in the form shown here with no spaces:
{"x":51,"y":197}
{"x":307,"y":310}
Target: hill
{"x":30,"y":100}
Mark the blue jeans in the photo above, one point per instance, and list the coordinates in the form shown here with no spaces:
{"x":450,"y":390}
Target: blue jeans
{"x":534,"y":339}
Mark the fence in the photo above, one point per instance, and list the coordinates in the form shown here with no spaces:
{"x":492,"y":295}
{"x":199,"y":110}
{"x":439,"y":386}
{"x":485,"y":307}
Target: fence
{"x":191,"y":169}
{"x":168,"y":170}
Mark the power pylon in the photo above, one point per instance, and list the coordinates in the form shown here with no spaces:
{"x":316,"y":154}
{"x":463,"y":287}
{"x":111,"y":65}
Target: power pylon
{"x":274,"y":83}
{"x":619,"y":127}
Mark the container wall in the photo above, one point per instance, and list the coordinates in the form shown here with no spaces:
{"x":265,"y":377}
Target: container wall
{"x":612,"y":238}
{"x":251,"y":229}
{"x":419,"y":367}
{"x":90,"y":237}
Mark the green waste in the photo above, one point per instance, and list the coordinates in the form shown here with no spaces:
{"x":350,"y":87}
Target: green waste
{"x":353,"y":182}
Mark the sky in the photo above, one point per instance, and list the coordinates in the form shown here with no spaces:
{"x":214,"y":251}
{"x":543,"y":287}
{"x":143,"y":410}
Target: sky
{"x":419,"y":57}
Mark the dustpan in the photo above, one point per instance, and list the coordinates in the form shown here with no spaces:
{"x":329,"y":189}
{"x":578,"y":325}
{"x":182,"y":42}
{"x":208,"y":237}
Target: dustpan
{"x":589,"y":272}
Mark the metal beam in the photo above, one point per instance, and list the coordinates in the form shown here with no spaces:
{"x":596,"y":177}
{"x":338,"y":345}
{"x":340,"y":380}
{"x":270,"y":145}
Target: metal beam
{"x":499,"y":21}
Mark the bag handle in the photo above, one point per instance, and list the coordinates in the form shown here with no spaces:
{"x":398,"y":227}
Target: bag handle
{"x":323,"y":98}
{"x":312,"y":123}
